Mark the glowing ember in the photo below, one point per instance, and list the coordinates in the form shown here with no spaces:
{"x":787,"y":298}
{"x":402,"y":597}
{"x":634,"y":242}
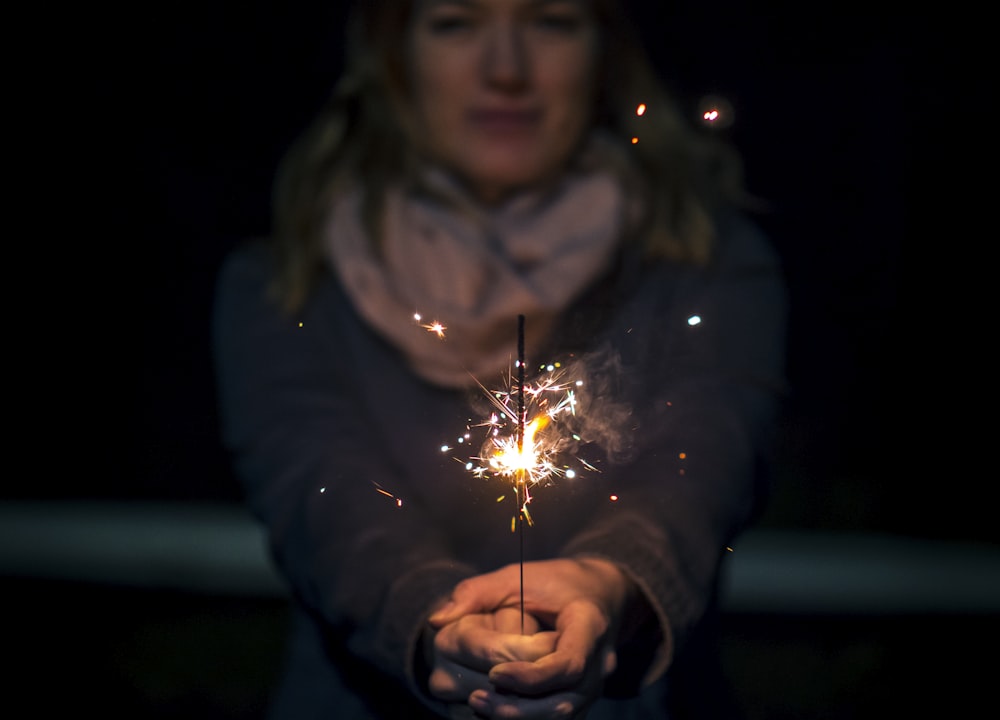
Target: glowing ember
{"x":510,"y":459}
{"x":431,"y":327}
{"x":382,"y":491}
{"x":715,"y":111}
{"x":641,"y":109}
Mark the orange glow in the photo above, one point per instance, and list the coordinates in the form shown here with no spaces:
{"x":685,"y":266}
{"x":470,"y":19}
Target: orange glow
{"x":511,"y":459}
{"x":524,"y":454}
{"x":641,"y":109}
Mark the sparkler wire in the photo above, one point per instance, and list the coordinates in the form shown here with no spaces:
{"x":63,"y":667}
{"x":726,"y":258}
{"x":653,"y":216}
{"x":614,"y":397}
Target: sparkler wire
{"x":520,"y":450}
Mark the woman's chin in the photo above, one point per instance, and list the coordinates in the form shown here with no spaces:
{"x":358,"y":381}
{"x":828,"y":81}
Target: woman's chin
{"x":501,"y":180}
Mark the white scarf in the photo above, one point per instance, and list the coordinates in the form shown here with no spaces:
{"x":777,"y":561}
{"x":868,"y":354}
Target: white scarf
{"x":475,"y":270}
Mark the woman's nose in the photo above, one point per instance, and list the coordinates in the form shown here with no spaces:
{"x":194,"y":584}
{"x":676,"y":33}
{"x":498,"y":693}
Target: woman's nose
{"x":505,"y":61}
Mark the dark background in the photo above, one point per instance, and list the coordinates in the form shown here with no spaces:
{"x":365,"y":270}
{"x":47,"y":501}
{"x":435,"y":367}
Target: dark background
{"x":849,"y":119}
{"x":855,"y":124}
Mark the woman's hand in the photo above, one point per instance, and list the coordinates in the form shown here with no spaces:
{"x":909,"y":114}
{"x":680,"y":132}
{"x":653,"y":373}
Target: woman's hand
{"x":581,"y":599}
{"x":466,"y":649}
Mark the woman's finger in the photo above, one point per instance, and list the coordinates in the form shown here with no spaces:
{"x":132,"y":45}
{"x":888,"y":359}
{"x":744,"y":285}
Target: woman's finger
{"x":580,"y":633}
{"x":473,"y":642}
{"x":453,"y":683}
{"x":490,"y":704}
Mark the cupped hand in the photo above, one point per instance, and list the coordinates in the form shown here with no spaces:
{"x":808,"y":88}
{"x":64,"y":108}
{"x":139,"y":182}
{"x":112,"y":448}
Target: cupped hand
{"x":466,"y":649}
{"x":582,"y":600}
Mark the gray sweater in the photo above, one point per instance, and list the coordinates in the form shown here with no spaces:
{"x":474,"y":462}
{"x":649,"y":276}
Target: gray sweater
{"x":337,"y":444}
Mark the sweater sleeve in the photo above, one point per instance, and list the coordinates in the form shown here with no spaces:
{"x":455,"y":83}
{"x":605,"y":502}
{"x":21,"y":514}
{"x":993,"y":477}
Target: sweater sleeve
{"x":367,"y":568}
{"x":704,"y":375}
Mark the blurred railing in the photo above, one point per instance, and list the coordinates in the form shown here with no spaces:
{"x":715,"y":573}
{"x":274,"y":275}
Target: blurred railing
{"x":219,"y":549}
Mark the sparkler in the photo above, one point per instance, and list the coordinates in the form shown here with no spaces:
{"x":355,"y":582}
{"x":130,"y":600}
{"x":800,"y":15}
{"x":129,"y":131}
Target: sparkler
{"x":528,"y":432}
{"x":520,"y":450}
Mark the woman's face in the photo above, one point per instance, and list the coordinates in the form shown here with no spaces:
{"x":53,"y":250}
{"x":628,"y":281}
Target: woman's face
{"x":502,"y":89}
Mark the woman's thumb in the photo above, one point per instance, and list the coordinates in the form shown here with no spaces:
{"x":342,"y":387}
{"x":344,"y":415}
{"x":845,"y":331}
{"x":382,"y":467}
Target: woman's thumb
{"x":469,"y":596}
{"x":445,"y":614}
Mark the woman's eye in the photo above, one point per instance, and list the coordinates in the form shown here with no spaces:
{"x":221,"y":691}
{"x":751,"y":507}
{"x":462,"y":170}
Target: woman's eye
{"x":447,"y":24}
{"x":565,"y":22}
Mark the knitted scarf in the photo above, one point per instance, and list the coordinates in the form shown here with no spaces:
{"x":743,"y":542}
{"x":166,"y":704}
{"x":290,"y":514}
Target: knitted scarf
{"x":475,"y":269}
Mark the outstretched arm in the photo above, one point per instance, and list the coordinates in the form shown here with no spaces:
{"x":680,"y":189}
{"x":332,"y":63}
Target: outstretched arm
{"x":368,"y":570}
{"x":702,"y":397}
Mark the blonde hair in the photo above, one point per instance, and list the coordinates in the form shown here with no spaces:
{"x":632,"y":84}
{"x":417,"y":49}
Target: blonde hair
{"x":361,"y":138}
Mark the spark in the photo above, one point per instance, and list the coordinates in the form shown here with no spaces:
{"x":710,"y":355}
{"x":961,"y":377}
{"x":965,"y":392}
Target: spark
{"x":382,"y":491}
{"x":640,"y":111}
{"x":694,"y":320}
{"x":537,"y":455}
{"x":715,"y":111}
{"x":432,"y":327}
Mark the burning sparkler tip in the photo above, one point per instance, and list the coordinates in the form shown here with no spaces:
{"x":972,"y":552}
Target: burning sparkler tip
{"x":529,"y":427}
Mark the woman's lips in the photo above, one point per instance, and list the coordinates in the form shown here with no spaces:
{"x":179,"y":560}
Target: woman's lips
{"x":504,"y":121}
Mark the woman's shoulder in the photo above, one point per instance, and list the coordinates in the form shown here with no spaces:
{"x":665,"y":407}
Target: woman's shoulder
{"x":251,"y":260}
{"x":247,"y":287}
{"x":742,"y":243}
{"x":244,"y":282}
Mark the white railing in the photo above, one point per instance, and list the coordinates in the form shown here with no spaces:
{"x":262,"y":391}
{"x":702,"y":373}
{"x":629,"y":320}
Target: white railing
{"x":219,"y":549}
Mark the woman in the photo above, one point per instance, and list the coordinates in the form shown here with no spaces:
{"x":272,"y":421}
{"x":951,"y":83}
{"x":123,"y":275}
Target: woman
{"x":481,"y":161}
